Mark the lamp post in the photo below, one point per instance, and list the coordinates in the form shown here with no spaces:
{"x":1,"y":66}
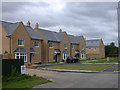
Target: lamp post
{"x":118,"y":13}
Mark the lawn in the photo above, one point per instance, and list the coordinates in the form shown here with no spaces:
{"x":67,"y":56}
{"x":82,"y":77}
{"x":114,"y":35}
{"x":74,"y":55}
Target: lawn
{"x":118,"y":69}
{"x":81,"y":67}
{"x":111,"y":60}
{"x":22,"y":81}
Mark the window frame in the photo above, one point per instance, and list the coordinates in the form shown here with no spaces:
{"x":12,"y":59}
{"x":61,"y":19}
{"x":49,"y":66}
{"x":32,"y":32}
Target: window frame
{"x":37,"y":43}
{"x":19,"y":55}
{"x":50,"y":45}
{"x":65,"y":46}
{"x":89,"y":49}
{"x":94,"y":49}
{"x":22,"y":42}
{"x":72,"y":46}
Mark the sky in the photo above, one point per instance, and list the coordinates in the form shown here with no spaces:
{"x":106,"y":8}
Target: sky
{"x":93,"y":20}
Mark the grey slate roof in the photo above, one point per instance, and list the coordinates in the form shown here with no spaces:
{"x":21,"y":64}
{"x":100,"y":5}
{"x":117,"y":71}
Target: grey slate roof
{"x":9,"y":27}
{"x":51,"y":35}
{"x":75,"y":39}
{"x":20,"y":50}
{"x":77,"y":51}
{"x":93,"y":43}
{"x":32,"y":33}
{"x":32,"y":50}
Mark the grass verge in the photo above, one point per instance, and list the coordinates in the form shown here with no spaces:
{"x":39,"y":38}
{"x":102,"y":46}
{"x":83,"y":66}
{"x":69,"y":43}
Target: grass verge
{"x":22,"y":81}
{"x":111,"y":60}
{"x":82,"y":67}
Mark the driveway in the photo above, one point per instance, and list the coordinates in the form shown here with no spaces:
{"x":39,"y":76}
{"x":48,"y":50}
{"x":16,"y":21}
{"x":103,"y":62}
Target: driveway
{"x":76,"y":80}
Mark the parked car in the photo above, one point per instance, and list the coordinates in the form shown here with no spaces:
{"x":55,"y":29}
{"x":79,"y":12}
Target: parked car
{"x":72,"y":60}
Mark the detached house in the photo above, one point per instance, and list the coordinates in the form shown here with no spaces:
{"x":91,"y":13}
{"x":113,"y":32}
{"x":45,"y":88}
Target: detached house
{"x":19,"y":41}
{"x":56,"y":45}
{"x":95,"y":49}
{"x":78,"y":46}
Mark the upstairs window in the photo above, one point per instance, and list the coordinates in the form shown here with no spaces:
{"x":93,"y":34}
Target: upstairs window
{"x":94,"y":49}
{"x":36,"y":43}
{"x":20,"y":42}
{"x":82,"y":47}
{"x":72,"y":46}
{"x":65,"y":45}
{"x":50,"y":45}
{"x":89,"y":49}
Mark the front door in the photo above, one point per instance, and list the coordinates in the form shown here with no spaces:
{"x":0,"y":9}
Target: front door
{"x":31,"y":58}
{"x":56,"y":59}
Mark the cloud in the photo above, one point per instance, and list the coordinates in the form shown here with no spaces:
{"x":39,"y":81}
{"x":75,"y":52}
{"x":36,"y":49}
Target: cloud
{"x":92,"y":19}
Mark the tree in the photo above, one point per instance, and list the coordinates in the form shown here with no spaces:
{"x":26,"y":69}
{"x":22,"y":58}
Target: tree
{"x":111,"y":50}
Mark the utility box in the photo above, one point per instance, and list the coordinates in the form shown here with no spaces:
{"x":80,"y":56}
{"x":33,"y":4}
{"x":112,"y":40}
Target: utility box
{"x":107,"y":58}
{"x":23,"y":69}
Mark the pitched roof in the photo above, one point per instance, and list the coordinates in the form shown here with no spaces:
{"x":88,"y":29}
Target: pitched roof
{"x":93,"y":43}
{"x":9,"y":27}
{"x":51,"y":35}
{"x":32,"y":33}
{"x":75,"y":39}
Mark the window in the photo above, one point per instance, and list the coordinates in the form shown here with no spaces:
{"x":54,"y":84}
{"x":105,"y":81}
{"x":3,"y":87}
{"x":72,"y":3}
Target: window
{"x":82,"y":47}
{"x":89,"y":49}
{"x":21,"y":55}
{"x":20,"y":42}
{"x":50,"y":45}
{"x":72,"y":46}
{"x":36,"y":43}
{"x":65,"y":45}
{"x":94,"y":49}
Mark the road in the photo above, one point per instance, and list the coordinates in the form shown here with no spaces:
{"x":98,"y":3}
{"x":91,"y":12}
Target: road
{"x":77,"y":80}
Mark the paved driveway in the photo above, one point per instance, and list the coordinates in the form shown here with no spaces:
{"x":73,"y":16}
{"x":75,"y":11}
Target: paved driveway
{"x":77,"y":80}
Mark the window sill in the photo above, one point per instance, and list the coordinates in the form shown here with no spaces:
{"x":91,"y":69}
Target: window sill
{"x":36,"y":46}
{"x":20,"y":45}
{"x":50,"y":47}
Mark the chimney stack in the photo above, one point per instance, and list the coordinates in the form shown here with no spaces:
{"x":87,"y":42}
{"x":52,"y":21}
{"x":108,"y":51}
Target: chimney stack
{"x":28,"y":23}
{"x":37,"y":25}
{"x":60,"y":30}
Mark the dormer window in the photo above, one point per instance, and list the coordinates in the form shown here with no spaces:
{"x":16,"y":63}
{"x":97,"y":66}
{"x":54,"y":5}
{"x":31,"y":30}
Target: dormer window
{"x":36,"y":43}
{"x":20,"y":42}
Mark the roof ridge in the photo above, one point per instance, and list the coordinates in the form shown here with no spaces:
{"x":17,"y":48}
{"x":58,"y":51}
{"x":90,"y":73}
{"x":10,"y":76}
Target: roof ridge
{"x":9,"y":22}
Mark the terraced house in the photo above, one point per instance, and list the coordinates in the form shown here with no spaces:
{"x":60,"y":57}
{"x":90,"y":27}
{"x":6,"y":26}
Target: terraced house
{"x":19,"y":41}
{"x":95,"y":49}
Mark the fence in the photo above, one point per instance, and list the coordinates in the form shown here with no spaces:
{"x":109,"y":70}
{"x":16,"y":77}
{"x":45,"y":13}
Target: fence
{"x":9,"y":64}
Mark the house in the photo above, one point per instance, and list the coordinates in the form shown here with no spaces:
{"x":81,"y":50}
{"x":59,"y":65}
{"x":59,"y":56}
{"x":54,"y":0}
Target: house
{"x":56,"y":45}
{"x":78,"y":46}
{"x":95,"y":49}
{"x":19,"y":41}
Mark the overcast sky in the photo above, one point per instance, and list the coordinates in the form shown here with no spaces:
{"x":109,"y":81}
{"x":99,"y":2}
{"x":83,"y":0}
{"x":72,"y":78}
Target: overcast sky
{"x":93,"y":20}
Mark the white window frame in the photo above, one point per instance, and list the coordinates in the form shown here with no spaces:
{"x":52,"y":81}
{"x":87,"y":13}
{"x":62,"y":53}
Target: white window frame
{"x":72,"y":46}
{"x":36,"y":45}
{"x":19,"y":55}
{"x":22,"y":42}
{"x":84,"y":56}
{"x":82,"y":47}
{"x":94,"y":49}
{"x":51,"y":44}
{"x":65,"y":46}
{"x":89,"y":49}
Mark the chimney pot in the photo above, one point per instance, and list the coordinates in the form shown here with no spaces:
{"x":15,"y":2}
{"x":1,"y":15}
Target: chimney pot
{"x":37,"y":25}
{"x":60,"y":30}
{"x":28,"y":23}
